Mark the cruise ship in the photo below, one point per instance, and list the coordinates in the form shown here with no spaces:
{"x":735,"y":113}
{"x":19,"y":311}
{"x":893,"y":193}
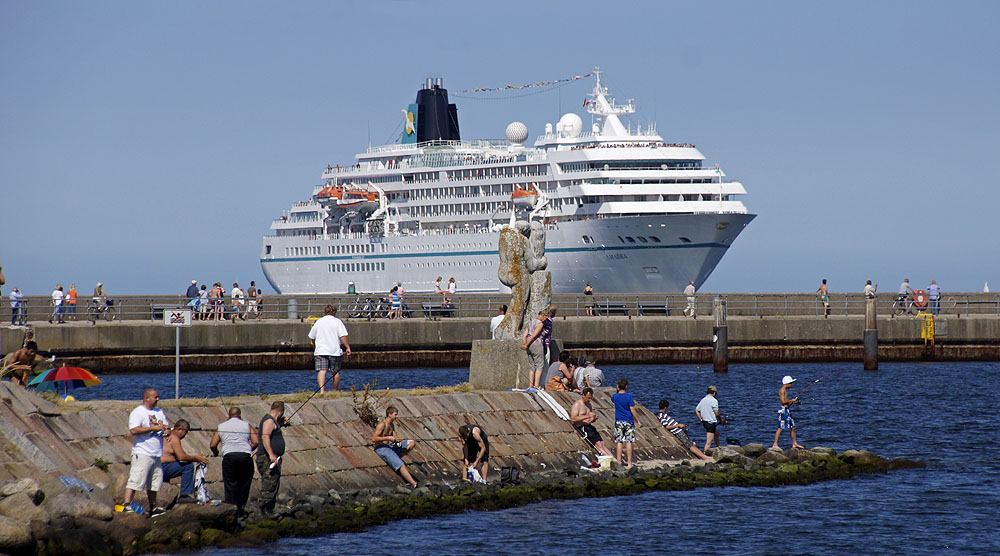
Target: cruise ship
{"x":622,"y":208}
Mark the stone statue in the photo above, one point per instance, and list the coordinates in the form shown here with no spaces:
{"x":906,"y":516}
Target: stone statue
{"x":522,"y":269}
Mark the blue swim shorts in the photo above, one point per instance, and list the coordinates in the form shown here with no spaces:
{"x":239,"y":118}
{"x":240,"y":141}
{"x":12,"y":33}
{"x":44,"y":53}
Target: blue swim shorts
{"x":785,"y":420}
{"x":390,"y":453}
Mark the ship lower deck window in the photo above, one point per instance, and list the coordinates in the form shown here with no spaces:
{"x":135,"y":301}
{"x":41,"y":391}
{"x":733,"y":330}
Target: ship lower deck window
{"x":629,"y":239}
{"x":655,"y":239}
{"x":643,"y":240}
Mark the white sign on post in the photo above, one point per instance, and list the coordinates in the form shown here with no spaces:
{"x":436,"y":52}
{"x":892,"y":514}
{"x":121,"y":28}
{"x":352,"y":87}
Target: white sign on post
{"x":177,"y":318}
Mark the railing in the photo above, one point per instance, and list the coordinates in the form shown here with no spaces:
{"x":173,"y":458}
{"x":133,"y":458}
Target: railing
{"x":479,"y":305}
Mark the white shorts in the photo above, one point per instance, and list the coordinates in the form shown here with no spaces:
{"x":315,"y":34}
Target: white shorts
{"x":146,"y":473}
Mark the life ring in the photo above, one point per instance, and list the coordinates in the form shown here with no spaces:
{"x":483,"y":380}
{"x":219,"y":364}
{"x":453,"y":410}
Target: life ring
{"x":919,"y":298}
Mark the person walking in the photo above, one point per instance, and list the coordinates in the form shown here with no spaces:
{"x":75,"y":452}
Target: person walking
{"x":934,"y":296}
{"x":269,"y":458}
{"x":707,"y":412}
{"x":824,"y":296}
{"x":785,"y":421}
{"x":689,"y":310}
{"x":238,"y":440}
{"x":327,"y":334}
{"x":626,"y":422}
{"x":238,"y":302}
{"x":147,"y":425}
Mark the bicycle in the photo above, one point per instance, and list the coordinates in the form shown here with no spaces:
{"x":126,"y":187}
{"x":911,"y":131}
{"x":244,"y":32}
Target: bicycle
{"x":101,"y":308}
{"x":903,"y":305}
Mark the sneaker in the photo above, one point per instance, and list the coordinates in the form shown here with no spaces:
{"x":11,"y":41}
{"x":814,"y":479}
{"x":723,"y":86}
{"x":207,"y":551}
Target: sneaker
{"x":127,"y":509}
{"x":159,"y":510}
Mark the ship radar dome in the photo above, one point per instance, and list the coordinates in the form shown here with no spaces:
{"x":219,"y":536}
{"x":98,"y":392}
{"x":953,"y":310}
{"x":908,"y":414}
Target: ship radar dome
{"x":517,"y":133}
{"x":570,"y":125}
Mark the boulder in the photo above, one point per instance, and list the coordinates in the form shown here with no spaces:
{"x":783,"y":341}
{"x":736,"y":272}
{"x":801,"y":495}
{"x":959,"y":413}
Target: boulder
{"x":772,"y":456}
{"x":27,"y":485}
{"x":21,"y":506}
{"x":82,"y":541}
{"x":753,"y":450}
{"x":903,"y":463}
{"x":73,"y":506}
{"x":15,"y":535}
{"x":222,"y":516}
{"x":823,"y":450}
{"x":724,"y":451}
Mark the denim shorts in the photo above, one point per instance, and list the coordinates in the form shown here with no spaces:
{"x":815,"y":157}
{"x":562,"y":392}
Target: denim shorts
{"x":390,"y":453}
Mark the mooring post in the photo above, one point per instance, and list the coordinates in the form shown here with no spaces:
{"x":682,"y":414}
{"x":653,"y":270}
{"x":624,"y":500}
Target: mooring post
{"x":720,"y":336}
{"x":871,"y":335}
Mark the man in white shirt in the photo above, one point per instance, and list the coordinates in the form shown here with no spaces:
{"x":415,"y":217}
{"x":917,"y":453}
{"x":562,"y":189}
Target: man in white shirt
{"x":237,"y":294}
{"x":57,"y":301}
{"x":495,"y":322}
{"x":327,"y":335}
{"x":147,"y":424}
{"x":689,"y":311}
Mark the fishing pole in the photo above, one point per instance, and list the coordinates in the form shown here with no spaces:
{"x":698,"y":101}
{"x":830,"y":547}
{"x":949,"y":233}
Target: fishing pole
{"x":817,"y":381}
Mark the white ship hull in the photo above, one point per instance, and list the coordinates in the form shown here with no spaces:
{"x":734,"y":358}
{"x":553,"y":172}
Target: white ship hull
{"x":610,"y":264}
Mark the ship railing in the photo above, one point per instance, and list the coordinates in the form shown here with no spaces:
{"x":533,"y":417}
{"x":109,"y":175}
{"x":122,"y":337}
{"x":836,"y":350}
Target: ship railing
{"x":150,"y":308}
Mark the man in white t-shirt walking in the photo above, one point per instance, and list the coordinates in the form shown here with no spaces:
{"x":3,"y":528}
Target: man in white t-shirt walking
{"x":327,"y":335}
{"x":147,"y":424}
{"x":495,"y":321}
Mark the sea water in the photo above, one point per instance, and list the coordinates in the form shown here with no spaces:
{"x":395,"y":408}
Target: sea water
{"x":941,"y":413}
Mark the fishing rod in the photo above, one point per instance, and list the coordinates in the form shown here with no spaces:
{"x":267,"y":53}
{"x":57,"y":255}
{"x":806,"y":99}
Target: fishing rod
{"x":817,"y":381}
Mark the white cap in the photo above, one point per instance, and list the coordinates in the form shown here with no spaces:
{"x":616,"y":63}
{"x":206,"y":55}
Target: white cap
{"x":194,"y":281}
{"x":787,"y":380}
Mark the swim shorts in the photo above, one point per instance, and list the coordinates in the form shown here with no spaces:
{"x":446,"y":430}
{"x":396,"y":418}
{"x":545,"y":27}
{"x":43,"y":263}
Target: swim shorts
{"x":589,"y":433}
{"x":624,"y":431}
{"x":785,"y":420}
{"x":709,"y":427}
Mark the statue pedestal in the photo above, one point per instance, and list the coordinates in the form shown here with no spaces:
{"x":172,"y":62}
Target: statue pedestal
{"x":502,"y":364}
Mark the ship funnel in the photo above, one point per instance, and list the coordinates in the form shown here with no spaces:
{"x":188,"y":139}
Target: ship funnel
{"x":437,"y":120}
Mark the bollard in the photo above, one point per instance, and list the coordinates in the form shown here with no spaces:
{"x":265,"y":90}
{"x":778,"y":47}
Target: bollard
{"x":293,"y":309}
{"x":871,"y":335}
{"x":720,"y":336}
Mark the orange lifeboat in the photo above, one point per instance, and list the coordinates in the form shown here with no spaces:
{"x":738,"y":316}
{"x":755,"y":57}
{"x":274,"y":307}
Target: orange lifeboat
{"x":524,"y":198}
{"x":330,"y":193}
{"x":359,"y":199}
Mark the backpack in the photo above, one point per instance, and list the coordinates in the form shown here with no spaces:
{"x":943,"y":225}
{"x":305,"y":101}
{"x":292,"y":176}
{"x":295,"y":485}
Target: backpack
{"x":510,"y":476}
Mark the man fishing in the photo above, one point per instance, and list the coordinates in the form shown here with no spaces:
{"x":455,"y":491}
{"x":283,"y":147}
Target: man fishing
{"x":785,"y":421}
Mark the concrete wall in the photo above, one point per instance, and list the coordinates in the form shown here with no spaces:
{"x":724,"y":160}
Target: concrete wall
{"x":327,"y":446}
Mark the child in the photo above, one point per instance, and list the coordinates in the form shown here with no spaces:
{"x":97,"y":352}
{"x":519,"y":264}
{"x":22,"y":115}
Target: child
{"x":626,"y":422}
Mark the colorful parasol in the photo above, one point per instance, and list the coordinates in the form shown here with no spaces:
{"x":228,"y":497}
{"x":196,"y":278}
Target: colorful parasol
{"x":64,"y":378}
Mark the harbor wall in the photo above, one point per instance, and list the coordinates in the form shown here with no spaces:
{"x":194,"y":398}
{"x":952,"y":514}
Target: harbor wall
{"x":418,"y":342}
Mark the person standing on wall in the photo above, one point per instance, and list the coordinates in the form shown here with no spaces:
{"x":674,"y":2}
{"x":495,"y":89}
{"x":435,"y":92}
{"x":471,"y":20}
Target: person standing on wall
{"x":934,"y":296}
{"x":328,"y":333}
{"x":689,"y":310}
{"x":825,"y":298}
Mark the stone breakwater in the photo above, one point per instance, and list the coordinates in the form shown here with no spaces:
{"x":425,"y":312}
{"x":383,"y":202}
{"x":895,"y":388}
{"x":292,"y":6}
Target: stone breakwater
{"x":332,"y":479}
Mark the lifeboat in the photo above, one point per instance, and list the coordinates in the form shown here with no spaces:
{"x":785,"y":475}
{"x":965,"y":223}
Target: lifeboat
{"x":524,"y":198}
{"x":358,"y":199}
{"x":330,"y":194}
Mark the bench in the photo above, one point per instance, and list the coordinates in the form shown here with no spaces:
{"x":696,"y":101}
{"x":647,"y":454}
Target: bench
{"x":652,"y":308}
{"x":605,"y":308}
{"x":438,"y":310}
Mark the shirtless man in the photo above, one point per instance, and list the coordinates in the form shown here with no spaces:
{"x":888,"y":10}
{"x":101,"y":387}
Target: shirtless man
{"x":582,"y":416}
{"x":178,"y":463}
{"x":825,"y":297}
{"x":391,"y":448}
{"x":22,"y":362}
{"x":785,"y":420}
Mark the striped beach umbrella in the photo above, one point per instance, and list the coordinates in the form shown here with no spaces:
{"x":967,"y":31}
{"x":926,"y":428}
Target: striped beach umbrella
{"x":64,"y":378}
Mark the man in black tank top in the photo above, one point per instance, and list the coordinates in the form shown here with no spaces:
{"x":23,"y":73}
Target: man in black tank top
{"x":272,"y":447}
{"x":475,"y":449}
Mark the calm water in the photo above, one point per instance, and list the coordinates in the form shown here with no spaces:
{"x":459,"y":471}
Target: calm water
{"x":940,"y":413}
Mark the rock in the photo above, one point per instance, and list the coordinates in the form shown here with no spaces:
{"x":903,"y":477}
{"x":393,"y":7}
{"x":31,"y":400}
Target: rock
{"x":333,"y":496}
{"x":77,"y":506}
{"x":15,"y":535}
{"x":82,"y":541}
{"x":772,"y":456}
{"x":21,"y":506}
{"x":903,"y":463}
{"x":728,"y":451}
{"x":27,"y":485}
{"x":862,"y":458}
{"x":221,"y":517}
{"x":823,"y":450}
{"x":753,"y":450}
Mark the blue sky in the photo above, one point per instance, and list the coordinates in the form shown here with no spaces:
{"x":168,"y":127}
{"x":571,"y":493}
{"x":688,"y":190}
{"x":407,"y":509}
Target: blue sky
{"x":145,"y":144}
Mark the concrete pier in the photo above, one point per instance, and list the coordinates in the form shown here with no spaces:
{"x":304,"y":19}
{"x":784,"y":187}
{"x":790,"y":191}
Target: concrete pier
{"x":283,"y":344}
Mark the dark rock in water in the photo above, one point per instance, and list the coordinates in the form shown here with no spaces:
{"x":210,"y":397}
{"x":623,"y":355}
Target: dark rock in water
{"x":903,"y":463}
{"x":863,"y":459}
{"x":772,"y":456}
{"x":753,"y":450}
{"x":81,"y":541}
{"x":14,"y":535}
{"x":222,"y":516}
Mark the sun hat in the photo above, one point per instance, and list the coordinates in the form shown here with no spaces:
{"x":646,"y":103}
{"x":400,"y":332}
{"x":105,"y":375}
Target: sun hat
{"x":787,"y":380}
{"x":711,"y":389}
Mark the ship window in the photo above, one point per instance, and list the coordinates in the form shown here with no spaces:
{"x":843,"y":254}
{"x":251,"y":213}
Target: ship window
{"x":267,"y":249}
{"x":684,"y":240}
{"x":655,"y":239}
{"x":629,"y":239}
{"x":643,"y":240}
{"x":621,"y":239}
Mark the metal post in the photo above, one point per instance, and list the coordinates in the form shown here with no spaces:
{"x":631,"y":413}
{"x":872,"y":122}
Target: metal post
{"x":871,"y":336}
{"x":720,"y":336}
{"x":177,"y":363}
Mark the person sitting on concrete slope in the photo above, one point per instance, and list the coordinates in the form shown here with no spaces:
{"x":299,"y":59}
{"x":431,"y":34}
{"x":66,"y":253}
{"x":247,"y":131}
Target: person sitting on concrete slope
{"x":559,"y":377}
{"x":582,"y":416}
{"x":178,"y":463}
{"x":677,"y":429}
{"x":391,"y":448}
